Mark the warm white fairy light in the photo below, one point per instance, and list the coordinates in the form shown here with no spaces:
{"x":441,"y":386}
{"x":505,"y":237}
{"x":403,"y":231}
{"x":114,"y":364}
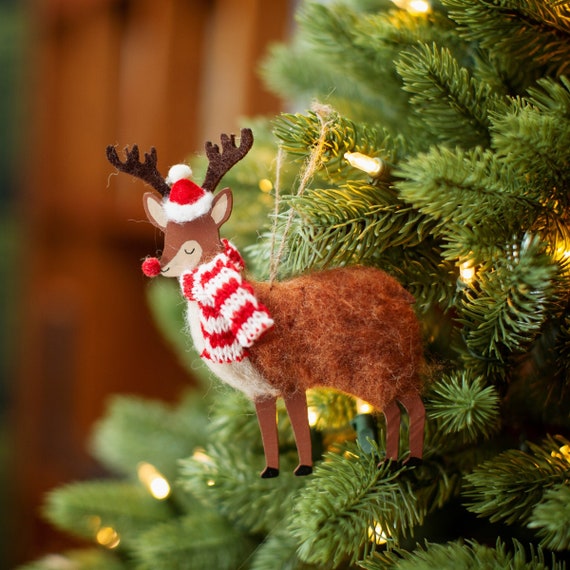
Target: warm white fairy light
{"x":313,"y":415}
{"x":108,"y":537}
{"x":369,"y":164}
{"x":156,"y":484}
{"x":466,"y":272}
{"x":265,"y":185}
{"x":414,"y":6}
{"x":377,"y":534}
{"x":564,"y":453}
{"x":363,"y":407}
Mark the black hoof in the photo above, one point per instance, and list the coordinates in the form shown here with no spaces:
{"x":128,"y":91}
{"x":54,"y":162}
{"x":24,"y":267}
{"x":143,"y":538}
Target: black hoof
{"x":270,"y":473}
{"x":413,"y":462}
{"x":303,"y":470}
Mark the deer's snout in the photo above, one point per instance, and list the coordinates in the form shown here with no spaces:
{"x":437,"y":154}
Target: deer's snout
{"x":151,"y":267}
{"x":174,"y":260}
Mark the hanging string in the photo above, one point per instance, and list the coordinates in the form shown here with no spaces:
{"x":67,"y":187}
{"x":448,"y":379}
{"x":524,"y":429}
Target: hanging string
{"x":273,"y":259}
{"x":325,"y":115}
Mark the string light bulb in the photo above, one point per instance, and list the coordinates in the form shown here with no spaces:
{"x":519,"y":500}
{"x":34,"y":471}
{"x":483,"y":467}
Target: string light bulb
{"x":153,"y":480}
{"x":363,"y":407}
{"x":265,"y":185}
{"x":313,"y":416}
{"x":563,"y":454}
{"x":415,"y":7}
{"x":369,"y":164}
{"x":108,"y":537}
{"x":466,"y":272}
{"x":377,"y":534}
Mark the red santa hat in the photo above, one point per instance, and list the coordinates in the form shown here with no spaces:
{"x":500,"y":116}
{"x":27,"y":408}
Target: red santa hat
{"x":186,"y":201}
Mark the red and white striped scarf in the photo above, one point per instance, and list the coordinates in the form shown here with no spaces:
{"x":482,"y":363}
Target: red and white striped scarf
{"x":231,"y":317}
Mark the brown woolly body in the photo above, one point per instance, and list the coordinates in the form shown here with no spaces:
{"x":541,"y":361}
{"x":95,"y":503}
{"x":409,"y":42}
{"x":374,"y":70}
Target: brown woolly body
{"x":352,"y":329}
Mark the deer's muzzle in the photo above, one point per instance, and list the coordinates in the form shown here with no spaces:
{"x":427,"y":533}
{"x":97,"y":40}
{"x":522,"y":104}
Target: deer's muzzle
{"x":151,"y":266}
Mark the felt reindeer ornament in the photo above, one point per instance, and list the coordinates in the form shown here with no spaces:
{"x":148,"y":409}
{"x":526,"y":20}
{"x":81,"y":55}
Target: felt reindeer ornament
{"x":349,"y":328}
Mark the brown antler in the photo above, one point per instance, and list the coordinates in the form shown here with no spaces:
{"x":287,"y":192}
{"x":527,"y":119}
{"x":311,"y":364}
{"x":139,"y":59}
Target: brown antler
{"x":146,"y":170}
{"x":219,"y":164}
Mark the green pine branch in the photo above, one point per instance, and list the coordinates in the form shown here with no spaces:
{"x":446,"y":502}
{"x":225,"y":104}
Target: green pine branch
{"x":281,"y":545}
{"x":350,"y":505}
{"x":348,"y":500}
{"x":470,"y":194}
{"x":508,"y":487}
{"x":461,"y":404}
{"x":343,"y":54}
{"x":83,"y":509}
{"x":136,"y":429}
{"x":468,"y":555}
{"x":348,"y":225}
{"x":551,"y":518}
{"x":226,"y":478}
{"x":504,"y":313}
{"x":451,"y":104}
{"x":196,"y":540}
{"x":298,"y":133}
{"x":533,"y":140}
{"x":528,"y":34}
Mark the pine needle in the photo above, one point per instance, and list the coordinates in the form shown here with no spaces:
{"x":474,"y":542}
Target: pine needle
{"x":551,"y":516}
{"x":468,"y":556}
{"x":461,"y":404}
{"x":507,"y":487}
{"x":83,"y":509}
{"x":348,"y":496}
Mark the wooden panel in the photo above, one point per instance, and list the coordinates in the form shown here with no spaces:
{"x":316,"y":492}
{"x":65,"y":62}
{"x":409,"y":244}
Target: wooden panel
{"x":159,"y":72}
{"x":231,"y":86}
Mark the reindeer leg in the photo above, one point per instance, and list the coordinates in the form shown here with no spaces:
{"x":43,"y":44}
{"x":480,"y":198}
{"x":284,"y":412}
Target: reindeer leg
{"x":266,"y":409}
{"x":417,"y":414}
{"x":392,"y":414}
{"x":296,"y":405}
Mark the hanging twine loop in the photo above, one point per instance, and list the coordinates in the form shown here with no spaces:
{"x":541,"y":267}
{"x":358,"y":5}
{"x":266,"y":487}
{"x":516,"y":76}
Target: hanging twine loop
{"x":325,"y":115}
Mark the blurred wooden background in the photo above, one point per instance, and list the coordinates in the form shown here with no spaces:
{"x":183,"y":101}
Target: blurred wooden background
{"x":169,"y":73}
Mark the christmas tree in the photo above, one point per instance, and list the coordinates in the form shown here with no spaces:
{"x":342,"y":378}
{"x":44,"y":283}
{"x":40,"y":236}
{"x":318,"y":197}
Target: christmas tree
{"x":439,"y":151}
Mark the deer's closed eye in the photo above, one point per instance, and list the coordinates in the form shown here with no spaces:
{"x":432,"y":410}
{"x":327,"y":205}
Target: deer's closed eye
{"x":190,"y":252}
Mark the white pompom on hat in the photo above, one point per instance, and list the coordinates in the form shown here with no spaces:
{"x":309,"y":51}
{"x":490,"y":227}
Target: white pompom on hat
{"x":178,"y":172}
{"x":187,"y":201}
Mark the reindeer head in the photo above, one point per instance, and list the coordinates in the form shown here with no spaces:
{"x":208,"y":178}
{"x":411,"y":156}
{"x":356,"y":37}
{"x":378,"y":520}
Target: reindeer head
{"x":190,"y":216}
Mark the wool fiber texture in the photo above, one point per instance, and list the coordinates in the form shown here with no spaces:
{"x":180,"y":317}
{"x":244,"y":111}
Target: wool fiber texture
{"x":353,"y":329}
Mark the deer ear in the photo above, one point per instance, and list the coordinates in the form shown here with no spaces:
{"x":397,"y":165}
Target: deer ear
{"x":154,"y":211}
{"x":222,"y":207}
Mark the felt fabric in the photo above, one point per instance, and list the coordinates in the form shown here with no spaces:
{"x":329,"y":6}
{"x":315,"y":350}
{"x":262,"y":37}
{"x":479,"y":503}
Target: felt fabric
{"x":151,"y":267}
{"x":204,"y":230}
{"x":186,"y":202}
{"x":231,"y":318}
{"x":352,"y":328}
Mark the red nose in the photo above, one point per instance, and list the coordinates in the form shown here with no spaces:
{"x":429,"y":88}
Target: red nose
{"x":151,"y":267}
